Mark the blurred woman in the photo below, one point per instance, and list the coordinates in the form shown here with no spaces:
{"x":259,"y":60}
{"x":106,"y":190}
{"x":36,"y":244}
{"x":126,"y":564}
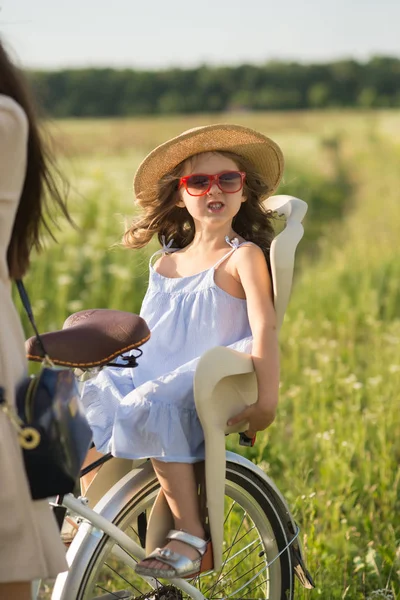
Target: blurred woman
{"x":30,"y":545}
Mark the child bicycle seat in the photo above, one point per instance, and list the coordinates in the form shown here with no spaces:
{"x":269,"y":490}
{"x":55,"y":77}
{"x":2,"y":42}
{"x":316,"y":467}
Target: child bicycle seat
{"x":225,"y":381}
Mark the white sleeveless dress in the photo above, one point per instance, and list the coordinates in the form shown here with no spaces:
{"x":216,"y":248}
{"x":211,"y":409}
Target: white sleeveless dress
{"x":149,"y":411}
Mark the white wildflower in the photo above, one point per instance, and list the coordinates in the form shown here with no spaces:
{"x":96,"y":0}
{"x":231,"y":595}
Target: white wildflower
{"x":325,"y":435}
{"x":293,"y":391}
{"x":391,"y":339}
{"x":75,"y":306}
{"x":324,"y":358}
{"x":119,"y":272}
{"x":383,"y":594}
{"x":313,"y":344}
{"x":64,"y":279}
{"x":350,"y":379}
{"x":40,"y":305}
{"x":314,"y":373}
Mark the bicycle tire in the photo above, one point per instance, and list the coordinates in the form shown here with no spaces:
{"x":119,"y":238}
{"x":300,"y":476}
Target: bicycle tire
{"x":245,"y":490}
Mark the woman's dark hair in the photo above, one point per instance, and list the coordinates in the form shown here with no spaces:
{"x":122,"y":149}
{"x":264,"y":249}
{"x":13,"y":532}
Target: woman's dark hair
{"x":40,"y":188}
{"x":162,"y":217}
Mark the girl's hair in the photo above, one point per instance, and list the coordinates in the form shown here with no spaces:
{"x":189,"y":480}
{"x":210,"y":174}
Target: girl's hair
{"x":33,"y":206}
{"x":163,"y":217}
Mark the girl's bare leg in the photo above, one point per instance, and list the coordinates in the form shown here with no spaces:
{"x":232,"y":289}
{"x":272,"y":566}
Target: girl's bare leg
{"x":70,"y":525}
{"x":86,"y":480}
{"x":180,"y":488}
{"x":15,"y":591}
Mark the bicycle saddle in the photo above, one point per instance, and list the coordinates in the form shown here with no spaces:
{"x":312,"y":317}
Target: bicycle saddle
{"x":91,"y":338}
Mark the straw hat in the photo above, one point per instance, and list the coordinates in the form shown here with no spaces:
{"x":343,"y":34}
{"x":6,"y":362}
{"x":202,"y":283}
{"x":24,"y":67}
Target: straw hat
{"x":262,"y":152}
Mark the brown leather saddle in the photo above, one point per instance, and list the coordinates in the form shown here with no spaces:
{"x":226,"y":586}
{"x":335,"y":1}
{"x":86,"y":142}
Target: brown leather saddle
{"x":92,"y":338}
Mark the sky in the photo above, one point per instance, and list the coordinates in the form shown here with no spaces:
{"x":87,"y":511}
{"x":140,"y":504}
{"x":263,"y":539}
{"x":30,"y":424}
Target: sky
{"x":154,"y":34}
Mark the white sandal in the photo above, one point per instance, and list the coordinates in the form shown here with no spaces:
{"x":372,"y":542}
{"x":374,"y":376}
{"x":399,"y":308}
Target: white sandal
{"x":181,"y":566}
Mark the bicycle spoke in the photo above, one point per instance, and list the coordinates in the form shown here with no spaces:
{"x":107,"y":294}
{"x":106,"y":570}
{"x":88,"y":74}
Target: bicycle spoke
{"x":247,"y":582}
{"x":235,"y":566}
{"x":230,"y":549}
{"x":122,"y":577}
{"x":229,"y":512}
{"x":131,"y":562}
{"x":244,"y":550}
{"x":124,"y":556}
{"x":250,"y":570}
{"x":225,"y":575}
{"x":110,"y":593}
{"x":258,"y":585}
{"x":202,"y":575}
{"x":134,"y":531}
{"x":240,"y":539}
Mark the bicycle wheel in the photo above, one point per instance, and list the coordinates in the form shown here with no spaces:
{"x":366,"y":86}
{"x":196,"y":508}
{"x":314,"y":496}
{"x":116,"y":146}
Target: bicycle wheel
{"x":254,"y":535}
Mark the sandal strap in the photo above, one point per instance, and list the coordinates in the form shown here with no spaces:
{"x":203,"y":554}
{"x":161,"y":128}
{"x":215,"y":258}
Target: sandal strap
{"x":191,"y":540}
{"x":164,"y":555}
{"x":180,"y":564}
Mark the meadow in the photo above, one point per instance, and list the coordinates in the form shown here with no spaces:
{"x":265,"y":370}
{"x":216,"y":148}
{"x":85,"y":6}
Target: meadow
{"x":334,"y":448}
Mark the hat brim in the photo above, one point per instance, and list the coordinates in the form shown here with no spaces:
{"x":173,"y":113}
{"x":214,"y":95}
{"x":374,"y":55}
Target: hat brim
{"x":262,"y":152}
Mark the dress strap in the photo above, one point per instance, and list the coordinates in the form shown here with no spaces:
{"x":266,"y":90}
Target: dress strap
{"x":234,"y":244}
{"x":165,"y":249}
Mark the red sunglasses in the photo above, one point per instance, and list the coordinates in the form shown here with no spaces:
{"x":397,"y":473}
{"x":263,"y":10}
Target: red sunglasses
{"x":199,"y":184}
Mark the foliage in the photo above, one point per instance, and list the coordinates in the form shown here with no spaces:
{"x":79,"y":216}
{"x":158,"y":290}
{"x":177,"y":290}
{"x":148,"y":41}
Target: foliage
{"x":96,"y":92}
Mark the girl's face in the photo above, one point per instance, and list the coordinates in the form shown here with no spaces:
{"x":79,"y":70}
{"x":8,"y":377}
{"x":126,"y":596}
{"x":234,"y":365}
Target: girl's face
{"x":215,"y":206}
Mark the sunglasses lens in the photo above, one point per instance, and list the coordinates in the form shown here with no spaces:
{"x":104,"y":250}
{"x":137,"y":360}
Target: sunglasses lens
{"x":197,"y":184}
{"x":230,"y":182}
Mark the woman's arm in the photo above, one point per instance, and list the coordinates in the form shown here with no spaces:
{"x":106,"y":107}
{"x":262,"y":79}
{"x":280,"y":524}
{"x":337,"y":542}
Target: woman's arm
{"x":254,"y":276}
{"x":13,"y":150}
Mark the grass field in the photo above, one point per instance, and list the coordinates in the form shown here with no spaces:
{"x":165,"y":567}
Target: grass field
{"x":334,"y":449}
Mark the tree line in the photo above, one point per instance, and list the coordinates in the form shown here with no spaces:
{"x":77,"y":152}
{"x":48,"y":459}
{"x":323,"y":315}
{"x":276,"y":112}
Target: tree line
{"x":106,"y":92}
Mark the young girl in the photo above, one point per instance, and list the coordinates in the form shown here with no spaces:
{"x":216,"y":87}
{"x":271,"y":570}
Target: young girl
{"x":201,"y":194}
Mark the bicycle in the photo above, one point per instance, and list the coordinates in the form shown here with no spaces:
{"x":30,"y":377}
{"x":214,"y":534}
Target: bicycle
{"x":261,"y":552}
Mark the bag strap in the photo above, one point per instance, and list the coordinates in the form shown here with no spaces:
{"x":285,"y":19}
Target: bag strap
{"x":28,"y":308}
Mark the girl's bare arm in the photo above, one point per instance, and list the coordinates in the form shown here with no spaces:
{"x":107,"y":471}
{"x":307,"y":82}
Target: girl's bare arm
{"x":254,"y":276}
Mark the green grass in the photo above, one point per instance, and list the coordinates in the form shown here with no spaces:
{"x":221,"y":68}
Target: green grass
{"x":334,"y":449}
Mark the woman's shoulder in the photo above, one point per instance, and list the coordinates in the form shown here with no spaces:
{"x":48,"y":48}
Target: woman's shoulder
{"x":12,"y":116}
{"x":13,"y":148}
{"x":13,"y":135}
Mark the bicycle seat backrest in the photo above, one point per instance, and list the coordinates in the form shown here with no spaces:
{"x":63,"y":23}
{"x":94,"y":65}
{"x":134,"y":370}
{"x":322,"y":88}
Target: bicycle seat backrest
{"x":283,"y":248}
{"x":225,"y":381}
